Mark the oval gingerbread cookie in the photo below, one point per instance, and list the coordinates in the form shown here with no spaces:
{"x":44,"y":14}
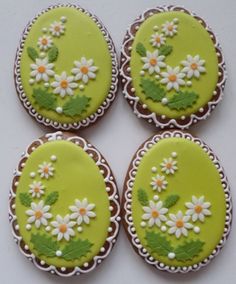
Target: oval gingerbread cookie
{"x":177,"y":208}
{"x":64,"y":205}
{"x":66,"y":68}
{"x":172,"y":69}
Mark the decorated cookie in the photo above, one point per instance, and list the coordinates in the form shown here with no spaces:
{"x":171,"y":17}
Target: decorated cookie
{"x":66,"y":68}
{"x":172,"y":68}
{"x":177,"y":208}
{"x":64,"y":205}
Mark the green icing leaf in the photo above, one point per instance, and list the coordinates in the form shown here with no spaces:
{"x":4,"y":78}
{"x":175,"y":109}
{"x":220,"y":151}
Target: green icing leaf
{"x":33,"y":54}
{"x":25,"y":199}
{"x":182,"y":100}
{"x":142,"y":197}
{"x":76,"y":249}
{"x":76,"y":105}
{"x":188,"y":250}
{"x":53,"y":54}
{"x":52,"y":198}
{"x":165,"y":50}
{"x":152,"y":90}
{"x":158,"y":243}
{"x":44,"y":245}
{"x":45,"y":99}
{"x":141,"y":50}
{"x":171,"y":201}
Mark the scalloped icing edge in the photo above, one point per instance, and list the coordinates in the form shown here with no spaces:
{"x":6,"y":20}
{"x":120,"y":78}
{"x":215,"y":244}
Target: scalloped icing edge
{"x":114,"y":80}
{"x":127,"y":200}
{"x":114,"y":206}
{"x":141,"y":110}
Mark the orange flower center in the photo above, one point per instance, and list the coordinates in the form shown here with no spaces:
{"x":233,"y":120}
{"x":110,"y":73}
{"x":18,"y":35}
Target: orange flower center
{"x":82,"y":211}
{"x":64,"y":84}
{"x":153,"y":61}
{"x":168,"y":166}
{"x":38,"y":214}
{"x":57,"y":28}
{"x":46,"y":170}
{"x":194,"y":66}
{"x":41,"y":69}
{"x":179,"y":223}
{"x":155,"y":214}
{"x":84,"y":69}
{"x":158,"y":39}
{"x":173,"y":78}
{"x":63,"y":228}
{"x":170,"y":28}
{"x":36,"y":189}
{"x":44,"y":41}
{"x":198,"y":209}
{"x":159,"y":182}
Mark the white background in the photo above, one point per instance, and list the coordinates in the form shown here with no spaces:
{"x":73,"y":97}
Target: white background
{"x":117,"y":136}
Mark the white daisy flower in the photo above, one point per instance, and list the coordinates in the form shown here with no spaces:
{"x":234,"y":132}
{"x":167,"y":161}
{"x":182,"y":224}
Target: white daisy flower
{"x":36,"y":189}
{"x":169,"y":28}
{"x":82,"y":211}
{"x":169,"y":166}
{"x":64,"y":85}
{"x":63,"y":227}
{"x":198,"y":209}
{"x":155,"y":213}
{"x":173,"y":78}
{"x":57,"y":29}
{"x":193,"y":66}
{"x":157,"y":40}
{"x":39,"y":214}
{"x":45,"y":42}
{"x":46,"y":170}
{"x":84,"y":70}
{"x":179,"y":224}
{"x":41,"y":70}
{"x":159,"y":183}
{"x":153,"y":62}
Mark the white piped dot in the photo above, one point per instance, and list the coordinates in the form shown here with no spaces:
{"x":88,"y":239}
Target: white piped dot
{"x":163,"y":228}
{"x":58,"y":253}
{"x":28,"y":227}
{"x":176,"y":20}
{"x":63,"y":19}
{"x":31,"y":81}
{"x":157,"y":77}
{"x":63,"y":269}
{"x":111,"y":208}
{"x":81,"y":87}
{"x":79,"y":229}
{"x":48,"y":228}
{"x":155,"y":28}
{"x":13,"y":206}
{"x":164,"y":101}
{"x":171,"y":255}
{"x":174,"y":154}
{"x":189,"y":83}
{"x":86,"y":264}
{"x":46,"y":85}
{"x":26,"y":247}
{"x":42,"y":54}
{"x":59,"y":109}
{"x":196,"y":230}
{"x":42,"y":262}
{"x":143,"y":224}
{"x":155,"y":197}
{"x":142,"y":73}
{"x":154,"y":169}
{"x":44,"y":30}
{"x":17,"y":227}
{"x":110,"y":229}
{"x":102,"y":249}
{"x":53,"y":158}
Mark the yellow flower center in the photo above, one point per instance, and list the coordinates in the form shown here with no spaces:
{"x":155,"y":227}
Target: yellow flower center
{"x":41,"y":69}
{"x":44,"y":41}
{"x":155,"y":214}
{"x":170,"y":28}
{"x":179,"y":223}
{"x":169,"y":166}
{"x":64,"y":84}
{"x":198,"y":209}
{"x":38,"y":214}
{"x":194,"y":66}
{"x":57,"y":28}
{"x":46,"y":170}
{"x":84,"y":70}
{"x":82,"y":211}
{"x":153,"y":61}
{"x":173,"y":78}
{"x":159,"y":182}
{"x":158,"y":39}
{"x":63,"y":228}
{"x":36,"y":189}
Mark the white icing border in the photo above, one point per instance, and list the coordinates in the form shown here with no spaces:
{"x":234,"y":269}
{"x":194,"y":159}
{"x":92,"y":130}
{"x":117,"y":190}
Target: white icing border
{"x":114,"y":80}
{"x":140,"y":109}
{"x":113,"y":194}
{"x":127,"y":200}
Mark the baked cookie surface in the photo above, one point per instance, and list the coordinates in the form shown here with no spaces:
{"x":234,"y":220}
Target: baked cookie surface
{"x":64,"y":205}
{"x":66,"y":68}
{"x":176,"y":203}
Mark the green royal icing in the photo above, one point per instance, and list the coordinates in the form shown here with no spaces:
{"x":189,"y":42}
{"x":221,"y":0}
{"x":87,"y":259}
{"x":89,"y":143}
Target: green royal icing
{"x":80,"y":37}
{"x":195,"y":175}
{"x":190,"y":39}
{"x":75,"y":176}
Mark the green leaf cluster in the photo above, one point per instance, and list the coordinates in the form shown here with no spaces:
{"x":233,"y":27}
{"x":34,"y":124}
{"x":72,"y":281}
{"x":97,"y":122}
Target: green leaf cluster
{"x":142,"y":197}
